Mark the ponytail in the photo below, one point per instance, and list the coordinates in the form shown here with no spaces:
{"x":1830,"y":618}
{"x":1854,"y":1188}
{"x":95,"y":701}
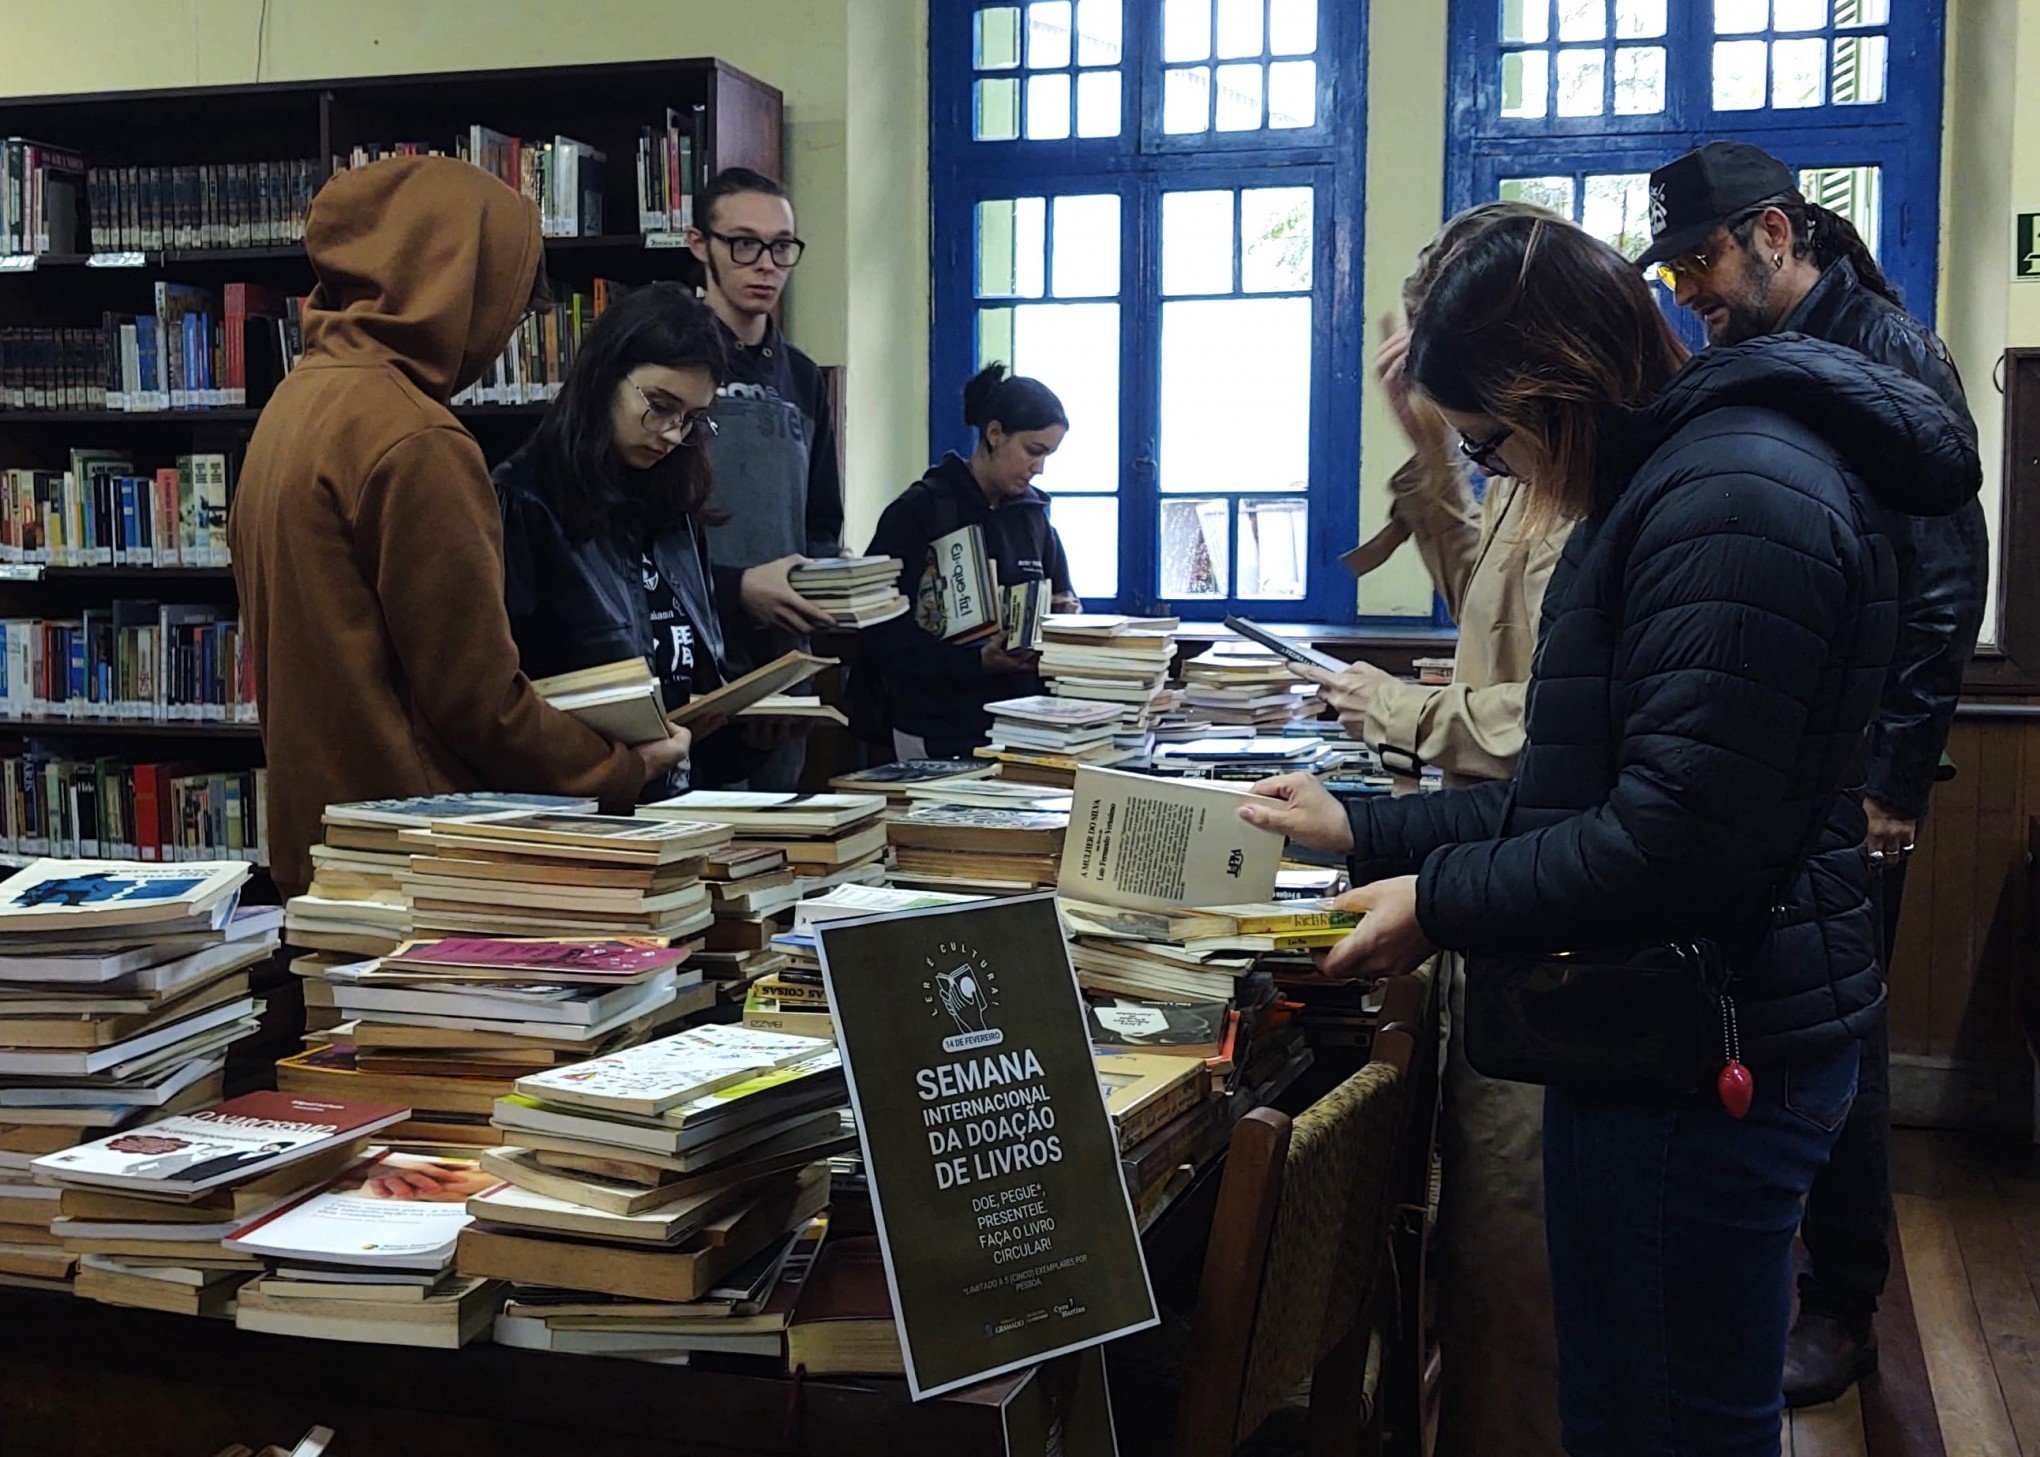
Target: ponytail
{"x":1015,"y":402}
{"x":1825,"y":236}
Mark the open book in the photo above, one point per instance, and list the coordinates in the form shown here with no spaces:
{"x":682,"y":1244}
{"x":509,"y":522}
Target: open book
{"x":790,"y":670}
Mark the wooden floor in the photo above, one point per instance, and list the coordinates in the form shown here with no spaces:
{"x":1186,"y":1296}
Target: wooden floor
{"x":1959,"y":1330}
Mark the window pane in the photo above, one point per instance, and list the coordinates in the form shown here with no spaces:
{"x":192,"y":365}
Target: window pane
{"x":1048,"y":35}
{"x":1197,"y":242}
{"x":1195,"y":561}
{"x":1555,"y":193}
{"x":1275,"y":239}
{"x":1798,"y":14}
{"x":998,"y":110}
{"x":1526,"y":83}
{"x":1098,"y":103}
{"x":1616,"y":209}
{"x":1526,"y":20}
{"x":1850,"y":14}
{"x":1087,"y":246}
{"x":1639,"y":19}
{"x":1098,"y":37}
{"x":1859,"y":70}
{"x":1239,"y":97}
{"x":1740,"y":17}
{"x":1089,"y":528}
{"x":1011,"y":236}
{"x":1292,"y":27}
{"x":1582,"y":76}
{"x":998,"y":38}
{"x":1739,"y":74}
{"x":1186,"y":99}
{"x":1074,"y":350}
{"x":995,"y":335}
{"x":1854,"y":192}
{"x":1582,"y":19}
{"x":1798,"y":71}
{"x":1292,"y":94}
{"x":1274,"y":548}
{"x":1048,"y":107}
{"x":1226,"y":428}
{"x":1186,"y":30}
{"x":1239,"y":28}
{"x":1639,"y":81}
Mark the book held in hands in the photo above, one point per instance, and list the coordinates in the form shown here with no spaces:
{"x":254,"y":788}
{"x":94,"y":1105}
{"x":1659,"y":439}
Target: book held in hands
{"x":1157,"y":844}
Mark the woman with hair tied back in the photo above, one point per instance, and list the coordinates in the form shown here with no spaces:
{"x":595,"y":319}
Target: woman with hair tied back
{"x":605,"y":520}
{"x":1665,"y":915}
{"x":938,"y":690}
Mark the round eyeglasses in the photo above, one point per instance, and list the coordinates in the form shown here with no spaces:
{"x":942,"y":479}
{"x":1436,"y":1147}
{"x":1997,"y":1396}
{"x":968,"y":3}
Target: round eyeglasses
{"x":680,"y":425}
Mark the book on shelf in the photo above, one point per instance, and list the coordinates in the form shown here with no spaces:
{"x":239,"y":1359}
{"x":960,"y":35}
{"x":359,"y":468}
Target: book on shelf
{"x":102,"y":512}
{"x":42,"y":196}
{"x":122,"y":810}
{"x":138,"y":661}
{"x":1158,"y":844}
{"x":200,"y":206}
{"x":230,"y":1142}
{"x":621,"y":700}
{"x":669,"y":171}
{"x":533,"y":366}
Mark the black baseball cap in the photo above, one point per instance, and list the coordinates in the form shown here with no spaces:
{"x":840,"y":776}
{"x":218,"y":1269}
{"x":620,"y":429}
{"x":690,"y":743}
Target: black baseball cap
{"x":1699,"y":192}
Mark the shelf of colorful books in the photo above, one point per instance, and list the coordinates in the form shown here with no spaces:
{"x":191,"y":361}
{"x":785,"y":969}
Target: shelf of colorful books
{"x":155,"y":728}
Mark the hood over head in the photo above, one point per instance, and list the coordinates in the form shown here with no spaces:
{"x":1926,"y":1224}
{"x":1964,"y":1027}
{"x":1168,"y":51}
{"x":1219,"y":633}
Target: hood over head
{"x":1915,"y":453}
{"x":423,"y":262}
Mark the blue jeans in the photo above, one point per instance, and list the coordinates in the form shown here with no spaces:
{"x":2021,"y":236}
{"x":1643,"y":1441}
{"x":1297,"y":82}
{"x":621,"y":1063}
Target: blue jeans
{"x":1670,"y":1232}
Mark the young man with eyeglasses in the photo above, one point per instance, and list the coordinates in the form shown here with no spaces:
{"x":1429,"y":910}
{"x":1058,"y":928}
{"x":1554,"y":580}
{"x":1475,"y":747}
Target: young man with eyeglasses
{"x":774,"y":452}
{"x":1738,"y":245}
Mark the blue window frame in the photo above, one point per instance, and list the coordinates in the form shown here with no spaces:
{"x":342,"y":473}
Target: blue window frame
{"x":1572,"y":102}
{"x":1153,"y":206}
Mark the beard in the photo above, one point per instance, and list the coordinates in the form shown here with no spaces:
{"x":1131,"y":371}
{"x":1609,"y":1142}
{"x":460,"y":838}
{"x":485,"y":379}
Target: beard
{"x":1747,"y":313}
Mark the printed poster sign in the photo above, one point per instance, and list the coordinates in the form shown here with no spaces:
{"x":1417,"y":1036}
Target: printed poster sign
{"x":994,"y":1171}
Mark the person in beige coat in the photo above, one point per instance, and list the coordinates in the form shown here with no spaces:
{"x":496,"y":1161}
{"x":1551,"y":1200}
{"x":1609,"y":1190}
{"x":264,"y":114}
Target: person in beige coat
{"x":1490,"y":564}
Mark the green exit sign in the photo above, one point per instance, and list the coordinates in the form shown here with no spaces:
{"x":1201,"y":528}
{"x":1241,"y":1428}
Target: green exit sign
{"x":2026,"y":254}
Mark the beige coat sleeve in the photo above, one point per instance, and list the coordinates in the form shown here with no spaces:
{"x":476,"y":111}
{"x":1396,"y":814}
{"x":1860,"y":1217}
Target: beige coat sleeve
{"x":1474,"y":727}
{"x":1434,"y":503}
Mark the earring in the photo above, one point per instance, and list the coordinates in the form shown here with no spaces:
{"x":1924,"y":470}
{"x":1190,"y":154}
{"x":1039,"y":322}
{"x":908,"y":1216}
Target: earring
{"x":1777,"y":260}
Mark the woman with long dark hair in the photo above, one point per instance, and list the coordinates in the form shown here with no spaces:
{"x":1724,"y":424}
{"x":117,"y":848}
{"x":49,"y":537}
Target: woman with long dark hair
{"x":1681,"y":848}
{"x":605,"y":517}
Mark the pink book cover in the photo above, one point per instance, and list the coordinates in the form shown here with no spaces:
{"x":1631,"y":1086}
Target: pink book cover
{"x":615,"y":957}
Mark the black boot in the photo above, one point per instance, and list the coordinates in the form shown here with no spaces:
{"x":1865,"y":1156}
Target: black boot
{"x":1825,"y":1355}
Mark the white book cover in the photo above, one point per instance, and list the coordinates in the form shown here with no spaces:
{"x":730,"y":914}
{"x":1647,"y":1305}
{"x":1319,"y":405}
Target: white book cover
{"x":422,"y":810}
{"x":847,"y":902}
{"x":1058,"y":712}
{"x":650,"y":1078}
{"x":399,"y":1211}
{"x":86,"y":893}
{"x":1156,"y":844}
{"x":754,"y":809}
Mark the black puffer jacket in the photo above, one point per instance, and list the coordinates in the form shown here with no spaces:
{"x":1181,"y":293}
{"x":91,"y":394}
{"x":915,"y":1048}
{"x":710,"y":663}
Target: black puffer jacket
{"x":1943,"y":561}
{"x":1714,"y":642}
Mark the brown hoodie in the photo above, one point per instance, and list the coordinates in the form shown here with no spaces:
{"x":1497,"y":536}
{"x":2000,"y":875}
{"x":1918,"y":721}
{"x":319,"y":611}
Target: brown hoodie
{"x":366,"y":540}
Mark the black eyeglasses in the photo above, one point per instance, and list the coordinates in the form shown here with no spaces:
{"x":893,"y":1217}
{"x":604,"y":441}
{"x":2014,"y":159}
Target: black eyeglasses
{"x":744,"y":249}
{"x":1482,"y":452}
{"x":665,"y":420}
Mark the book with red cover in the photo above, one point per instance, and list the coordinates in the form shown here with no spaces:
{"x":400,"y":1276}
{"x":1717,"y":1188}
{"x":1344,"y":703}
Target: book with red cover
{"x":183,"y":1156}
{"x":598,"y":960}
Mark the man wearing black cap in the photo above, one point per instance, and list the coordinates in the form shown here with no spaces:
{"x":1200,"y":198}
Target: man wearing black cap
{"x":1738,"y":245}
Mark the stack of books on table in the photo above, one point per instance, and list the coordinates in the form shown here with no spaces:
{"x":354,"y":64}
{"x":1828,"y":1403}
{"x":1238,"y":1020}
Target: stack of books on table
{"x":653,"y":1175}
{"x":1121,"y":661}
{"x":990,"y":794}
{"x":1247,"y":759}
{"x":975,"y":850}
{"x":897,"y":781}
{"x":1042,"y":739}
{"x":751,"y":891}
{"x":449,"y":1025}
{"x":858,"y":591}
{"x":827,"y":839}
{"x":794,"y":998}
{"x":1238,"y":682}
{"x":144,"y":1210}
{"x":356,"y":904}
{"x":747,"y":1314}
{"x":368,"y":1255}
{"x":122,"y":986}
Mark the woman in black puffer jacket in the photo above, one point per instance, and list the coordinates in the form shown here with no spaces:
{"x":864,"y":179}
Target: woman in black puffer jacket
{"x":1714,"y":642}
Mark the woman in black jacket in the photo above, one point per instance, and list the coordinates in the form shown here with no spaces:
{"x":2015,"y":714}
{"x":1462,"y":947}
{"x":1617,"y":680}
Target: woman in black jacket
{"x":1714,"y":641}
{"x":605,"y":555}
{"x":939,"y":689}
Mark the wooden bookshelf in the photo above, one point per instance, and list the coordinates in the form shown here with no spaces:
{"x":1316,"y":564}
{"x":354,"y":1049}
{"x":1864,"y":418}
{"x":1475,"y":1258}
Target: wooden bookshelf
{"x":738,"y":122}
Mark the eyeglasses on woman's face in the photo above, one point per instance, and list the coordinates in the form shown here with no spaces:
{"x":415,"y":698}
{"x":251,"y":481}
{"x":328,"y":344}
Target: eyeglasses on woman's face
{"x":672,"y":422}
{"x":746,"y":249}
{"x":1482,"y":452}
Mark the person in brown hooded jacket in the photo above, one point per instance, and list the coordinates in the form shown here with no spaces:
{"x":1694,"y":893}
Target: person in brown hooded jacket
{"x":366,"y":540}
